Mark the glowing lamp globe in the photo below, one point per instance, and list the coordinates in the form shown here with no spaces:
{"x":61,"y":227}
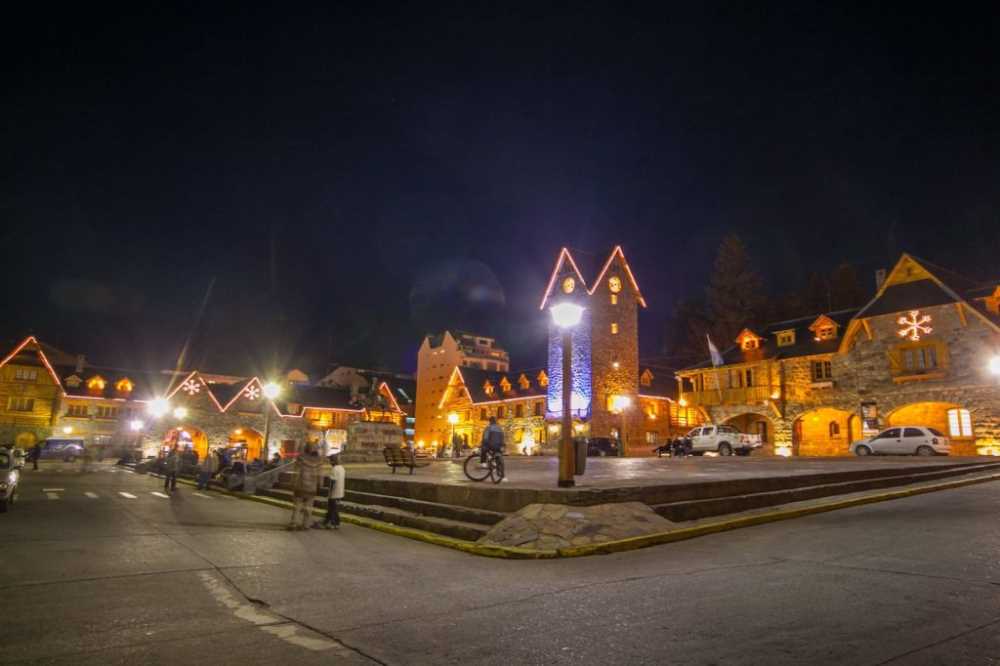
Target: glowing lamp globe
{"x":453,"y":418}
{"x":180,"y":412}
{"x":271,"y":390}
{"x":135,"y":424}
{"x":995,"y":365}
{"x":566,"y":315}
{"x":620,"y":403}
{"x":158,"y":407}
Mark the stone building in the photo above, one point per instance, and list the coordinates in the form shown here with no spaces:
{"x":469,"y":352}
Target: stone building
{"x":438,"y":356}
{"x":918,"y":353}
{"x":613,"y":394}
{"x":115,"y":408}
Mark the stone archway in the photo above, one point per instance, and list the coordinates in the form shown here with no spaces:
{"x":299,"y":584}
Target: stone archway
{"x":185,"y":437}
{"x":950,"y":419}
{"x":755,"y":424}
{"x":825,"y":431}
{"x":249,"y":439}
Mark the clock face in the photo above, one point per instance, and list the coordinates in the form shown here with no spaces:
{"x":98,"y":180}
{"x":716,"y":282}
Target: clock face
{"x":568,"y":285}
{"x":615,"y":284}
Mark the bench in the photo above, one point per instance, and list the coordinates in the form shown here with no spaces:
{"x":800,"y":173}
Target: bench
{"x":402,"y":457}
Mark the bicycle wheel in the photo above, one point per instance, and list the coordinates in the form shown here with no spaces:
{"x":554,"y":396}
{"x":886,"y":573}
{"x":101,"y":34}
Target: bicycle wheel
{"x":473,"y":470}
{"x":496,"y":468}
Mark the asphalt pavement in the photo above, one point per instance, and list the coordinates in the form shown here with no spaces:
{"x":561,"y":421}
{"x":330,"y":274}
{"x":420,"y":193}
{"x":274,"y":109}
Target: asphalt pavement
{"x":101,"y":567}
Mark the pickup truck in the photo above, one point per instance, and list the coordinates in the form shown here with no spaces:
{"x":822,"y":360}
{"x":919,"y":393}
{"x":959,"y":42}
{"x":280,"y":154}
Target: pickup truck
{"x":723,"y":439}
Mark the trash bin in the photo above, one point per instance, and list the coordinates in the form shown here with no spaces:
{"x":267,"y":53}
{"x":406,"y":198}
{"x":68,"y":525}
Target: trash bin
{"x":581,"y":455}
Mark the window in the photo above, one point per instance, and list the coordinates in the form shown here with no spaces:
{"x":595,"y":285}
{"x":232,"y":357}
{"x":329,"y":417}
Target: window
{"x":891,"y":433}
{"x":920,"y":359}
{"x":826,"y":333}
{"x":538,"y":409}
{"x":77,"y":411}
{"x":499,"y":411}
{"x":107,"y":412}
{"x":786,"y":338}
{"x":519,"y":410}
{"x":822,"y":371}
{"x":483,"y":416}
{"x":614,"y":299}
{"x":488,"y":388}
{"x":18,"y":404}
{"x":25,"y":374}
{"x":748,"y":375}
{"x":959,"y":423}
{"x":650,"y":437}
{"x":614,"y":328}
{"x":834,"y":429}
{"x":749,"y":343}
{"x":912,"y":432}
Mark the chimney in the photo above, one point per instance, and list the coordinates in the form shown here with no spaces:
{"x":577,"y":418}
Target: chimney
{"x":81,"y":361}
{"x":879,"y":278}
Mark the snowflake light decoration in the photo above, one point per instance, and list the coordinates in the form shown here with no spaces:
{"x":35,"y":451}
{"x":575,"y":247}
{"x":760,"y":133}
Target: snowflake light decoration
{"x":913,"y":325}
{"x":191,"y":386}
{"x":252,"y":392}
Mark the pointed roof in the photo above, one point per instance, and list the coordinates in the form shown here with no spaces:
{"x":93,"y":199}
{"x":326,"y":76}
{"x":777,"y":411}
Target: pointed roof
{"x":36,"y":347}
{"x":566,"y":259}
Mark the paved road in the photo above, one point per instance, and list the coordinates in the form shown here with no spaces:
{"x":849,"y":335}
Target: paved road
{"x":122,"y":575}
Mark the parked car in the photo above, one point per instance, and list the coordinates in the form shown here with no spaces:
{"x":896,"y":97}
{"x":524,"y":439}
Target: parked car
{"x":904,"y":441}
{"x":9,"y":476}
{"x":62,"y":449}
{"x":724,"y":440}
{"x":16,"y":455}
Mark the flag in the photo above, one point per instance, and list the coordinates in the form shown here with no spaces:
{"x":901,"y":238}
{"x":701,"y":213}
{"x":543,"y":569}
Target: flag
{"x":713,"y":350}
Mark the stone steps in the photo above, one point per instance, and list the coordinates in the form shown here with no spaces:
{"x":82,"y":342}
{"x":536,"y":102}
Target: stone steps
{"x":717,"y":506}
{"x":437,"y":519}
{"x":433,"y":509}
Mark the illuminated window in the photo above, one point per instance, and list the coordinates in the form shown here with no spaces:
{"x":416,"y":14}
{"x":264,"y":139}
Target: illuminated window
{"x":826,"y":333}
{"x":614,"y":328}
{"x":749,"y":343}
{"x":518,"y":410}
{"x":523,"y":382}
{"x":614,"y":299}
{"x":543,"y":379}
{"x":919,"y":359}
{"x":786,"y":338}
{"x":107,"y":412}
{"x":25,"y":374}
{"x":77,"y":411}
{"x":822,"y":371}
{"x":19,"y":404}
{"x":483,"y":415}
{"x":488,"y":388}
{"x":650,"y":437}
{"x":959,"y":423}
{"x":834,"y":429}
{"x":123,"y":385}
{"x":538,"y":409}
{"x":646,"y":379}
{"x":505,"y":385}
{"x":96,"y":383}
{"x":499,"y":411}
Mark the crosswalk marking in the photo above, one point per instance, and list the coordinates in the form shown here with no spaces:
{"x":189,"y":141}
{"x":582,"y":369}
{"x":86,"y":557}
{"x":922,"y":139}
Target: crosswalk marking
{"x":91,"y":495}
{"x":52,"y":490}
{"x":53,"y":496}
{"x":200,"y":495}
{"x":160,"y":495}
{"x":128,"y":495}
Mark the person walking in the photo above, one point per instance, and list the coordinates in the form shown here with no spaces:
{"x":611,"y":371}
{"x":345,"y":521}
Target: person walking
{"x":305,"y":487}
{"x":337,"y":476}
{"x":209,"y":466}
{"x":171,"y":466}
{"x":36,"y":453}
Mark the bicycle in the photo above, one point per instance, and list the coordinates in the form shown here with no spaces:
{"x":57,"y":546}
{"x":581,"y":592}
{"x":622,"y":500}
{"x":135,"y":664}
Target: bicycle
{"x":493,"y":469}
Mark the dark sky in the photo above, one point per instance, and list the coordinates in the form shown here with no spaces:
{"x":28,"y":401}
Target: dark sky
{"x":349,"y":179}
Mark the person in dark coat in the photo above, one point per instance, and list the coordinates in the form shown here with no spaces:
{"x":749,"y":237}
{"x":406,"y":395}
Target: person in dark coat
{"x":36,"y":454}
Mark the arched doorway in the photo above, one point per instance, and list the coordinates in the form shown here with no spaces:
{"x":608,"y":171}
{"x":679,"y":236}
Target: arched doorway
{"x":825,"y":432}
{"x":187,"y":437}
{"x":248,"y":439}
{"x":754,"y":424}
{"x":950,"y":419}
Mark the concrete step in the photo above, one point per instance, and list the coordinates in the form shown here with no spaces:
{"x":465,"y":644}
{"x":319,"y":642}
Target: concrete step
{"x":458,"y":529}
{"x":434,"y":509}
{"x":718,"y":506}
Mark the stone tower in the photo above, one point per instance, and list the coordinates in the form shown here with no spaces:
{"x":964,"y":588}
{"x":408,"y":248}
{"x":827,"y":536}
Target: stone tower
{"x":605,"y":348}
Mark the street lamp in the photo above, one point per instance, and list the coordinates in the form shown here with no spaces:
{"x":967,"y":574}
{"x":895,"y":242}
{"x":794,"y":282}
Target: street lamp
{"x":453,"y":419}
{"x":619,"y":404}
{"x":158,"y":407}
{"x":566,"y":316}
{"x":995,"y":365}
{"x":271,"y":391}
{"x":180,"y":412}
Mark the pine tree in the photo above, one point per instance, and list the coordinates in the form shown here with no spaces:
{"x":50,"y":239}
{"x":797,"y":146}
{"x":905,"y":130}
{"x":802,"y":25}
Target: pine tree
{"x":845,"y":289}
{"x":735,"y":292}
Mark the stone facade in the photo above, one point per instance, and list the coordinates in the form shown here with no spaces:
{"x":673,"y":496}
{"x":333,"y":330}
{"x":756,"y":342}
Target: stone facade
{"x":814,"y":394}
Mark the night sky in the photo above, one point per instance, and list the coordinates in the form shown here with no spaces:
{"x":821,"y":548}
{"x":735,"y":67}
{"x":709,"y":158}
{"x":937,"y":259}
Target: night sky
{"x":282,"y":187}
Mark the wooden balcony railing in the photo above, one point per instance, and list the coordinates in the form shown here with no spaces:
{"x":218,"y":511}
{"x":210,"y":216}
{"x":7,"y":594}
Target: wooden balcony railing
{"x":727,"y":396}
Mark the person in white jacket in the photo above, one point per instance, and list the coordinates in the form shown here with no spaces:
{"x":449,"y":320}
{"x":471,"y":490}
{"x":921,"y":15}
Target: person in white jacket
{"x":337,"y":475}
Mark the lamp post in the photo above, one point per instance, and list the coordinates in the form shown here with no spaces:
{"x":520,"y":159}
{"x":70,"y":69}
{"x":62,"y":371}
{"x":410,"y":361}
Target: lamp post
{"x":621,"y":403}
{"x":566,"y":316}
{"x":453,"y":419}
{"x":271,"y":391}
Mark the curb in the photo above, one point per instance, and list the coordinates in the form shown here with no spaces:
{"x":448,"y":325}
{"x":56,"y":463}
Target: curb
{"x":621,"y":545}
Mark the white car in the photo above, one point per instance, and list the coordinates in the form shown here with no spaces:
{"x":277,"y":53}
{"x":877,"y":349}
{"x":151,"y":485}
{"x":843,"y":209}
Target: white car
{"x":904,"y":441}
{"x":725,"y":440}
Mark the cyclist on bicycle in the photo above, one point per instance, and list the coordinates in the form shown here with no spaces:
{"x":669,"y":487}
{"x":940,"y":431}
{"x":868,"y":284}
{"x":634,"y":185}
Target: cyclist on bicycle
{"x":492,"y":440}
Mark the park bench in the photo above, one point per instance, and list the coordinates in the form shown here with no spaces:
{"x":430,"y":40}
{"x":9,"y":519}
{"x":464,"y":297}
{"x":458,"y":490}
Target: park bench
{"x":396,"y":456}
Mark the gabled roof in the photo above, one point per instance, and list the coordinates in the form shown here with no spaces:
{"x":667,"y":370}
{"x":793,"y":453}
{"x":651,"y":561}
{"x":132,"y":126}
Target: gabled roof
{"x":662,"y":384}
{"x":143,"y":383}
{"x":474,"y":380}
{"x":566,"y":265}
{"x":30,"y":352}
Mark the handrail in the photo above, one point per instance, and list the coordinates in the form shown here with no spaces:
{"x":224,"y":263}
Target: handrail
{"x":265,"y":479}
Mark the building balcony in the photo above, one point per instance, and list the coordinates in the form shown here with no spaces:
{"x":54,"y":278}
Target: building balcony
{"x":728,"y":396}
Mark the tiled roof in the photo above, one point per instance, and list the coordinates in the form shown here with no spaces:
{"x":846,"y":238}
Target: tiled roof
{"x":908,"y":296}
{"x":475,"y":380}
{"x":145,"y":385}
